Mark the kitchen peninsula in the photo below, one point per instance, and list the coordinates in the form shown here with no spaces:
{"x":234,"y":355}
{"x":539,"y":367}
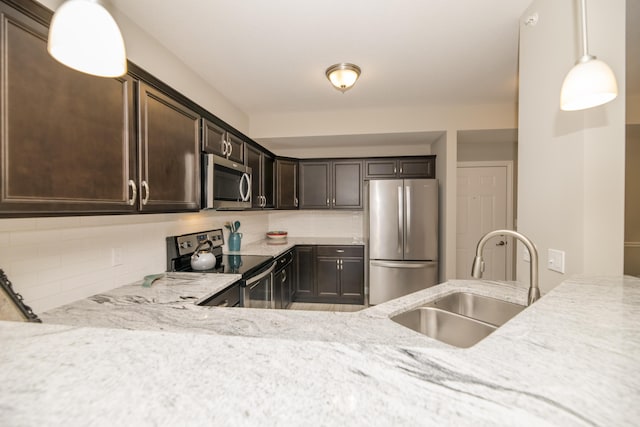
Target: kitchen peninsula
{"x":570,"y":359}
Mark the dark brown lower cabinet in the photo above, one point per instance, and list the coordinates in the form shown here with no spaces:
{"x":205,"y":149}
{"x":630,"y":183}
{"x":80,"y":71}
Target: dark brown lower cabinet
{"x":338,"y":278}
{"x":305,"y":273}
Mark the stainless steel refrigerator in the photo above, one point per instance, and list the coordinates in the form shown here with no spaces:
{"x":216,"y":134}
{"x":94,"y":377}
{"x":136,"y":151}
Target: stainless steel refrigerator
{"x":403,"y":237}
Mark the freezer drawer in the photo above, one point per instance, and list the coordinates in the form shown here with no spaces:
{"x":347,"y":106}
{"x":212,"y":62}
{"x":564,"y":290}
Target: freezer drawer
{"x":393,"y":279}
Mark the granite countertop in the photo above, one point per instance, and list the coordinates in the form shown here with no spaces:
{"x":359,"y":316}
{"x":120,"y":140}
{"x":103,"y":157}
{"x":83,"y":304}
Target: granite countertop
{"x":570,"y":359}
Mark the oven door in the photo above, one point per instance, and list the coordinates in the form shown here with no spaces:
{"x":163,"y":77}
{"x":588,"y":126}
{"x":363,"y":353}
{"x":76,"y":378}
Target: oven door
{"x":257,"y":291}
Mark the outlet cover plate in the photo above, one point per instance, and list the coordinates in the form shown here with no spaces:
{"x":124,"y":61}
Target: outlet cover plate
{"x":556,"y":260}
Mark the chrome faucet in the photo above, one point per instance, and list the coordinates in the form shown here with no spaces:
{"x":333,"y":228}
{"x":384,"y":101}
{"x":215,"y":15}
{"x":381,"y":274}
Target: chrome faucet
{"x":478,"y":263}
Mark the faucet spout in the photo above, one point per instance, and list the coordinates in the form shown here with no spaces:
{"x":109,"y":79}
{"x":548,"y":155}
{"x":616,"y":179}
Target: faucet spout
{"x":478,"y":263}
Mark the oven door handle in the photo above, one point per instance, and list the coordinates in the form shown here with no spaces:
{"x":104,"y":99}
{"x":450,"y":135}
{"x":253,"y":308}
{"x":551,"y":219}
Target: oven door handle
{"x":253,"y":280}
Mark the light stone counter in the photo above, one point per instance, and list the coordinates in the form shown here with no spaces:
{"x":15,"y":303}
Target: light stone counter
{"x":570,"y":359}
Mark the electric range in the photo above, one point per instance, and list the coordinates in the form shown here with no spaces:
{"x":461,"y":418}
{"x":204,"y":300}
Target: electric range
{"x":254,"y":290}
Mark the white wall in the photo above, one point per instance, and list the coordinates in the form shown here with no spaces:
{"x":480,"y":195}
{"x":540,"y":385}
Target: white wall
{"x":389,"y":120}
{"x":55,"y":261}
{"x":571,"y":164}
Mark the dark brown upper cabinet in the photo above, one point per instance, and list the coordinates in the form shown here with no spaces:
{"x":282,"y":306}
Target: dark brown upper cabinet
{"x":286,"y":184}
{"x":262,"y":177}
{"x":216,"y":140}
{"x":68,"y":138}
{"x":331,"y":184}
{"x":401,"y":167}
{"x":169,"y":153}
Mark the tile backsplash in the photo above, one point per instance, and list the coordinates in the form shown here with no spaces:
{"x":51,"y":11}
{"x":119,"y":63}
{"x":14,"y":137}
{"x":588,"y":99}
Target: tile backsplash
{"x":54,"y":261}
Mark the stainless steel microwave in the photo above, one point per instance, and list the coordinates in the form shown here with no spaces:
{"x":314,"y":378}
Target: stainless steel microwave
{"x":225,"y":184}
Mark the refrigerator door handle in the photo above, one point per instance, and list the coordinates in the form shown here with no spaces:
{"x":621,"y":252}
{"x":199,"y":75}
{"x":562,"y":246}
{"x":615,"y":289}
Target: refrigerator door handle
{"x":400,"y":219}
{"x":392,"y":264}
{"x":407,"y":229}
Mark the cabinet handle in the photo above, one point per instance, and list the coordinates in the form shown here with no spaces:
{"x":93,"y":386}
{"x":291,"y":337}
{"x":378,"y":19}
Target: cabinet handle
{"x":284,"y":276}
{"x":394,"y":170}
{"x":340,"y":251}
{"x":334,"y":201}
{"x":400,"y":170}
{"x":224,"y":147}
{"x":230,"y":149}
{"x":295,"y":202}
{"x":145,"y":186}
{"x":327,"y":202}
{"x":134,"y":193}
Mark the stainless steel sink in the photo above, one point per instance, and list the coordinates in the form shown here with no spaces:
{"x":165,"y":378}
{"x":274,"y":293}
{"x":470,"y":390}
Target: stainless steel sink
{"x":486,"y":309}
{"x":445,"y":326}
{"x":461,"y":319}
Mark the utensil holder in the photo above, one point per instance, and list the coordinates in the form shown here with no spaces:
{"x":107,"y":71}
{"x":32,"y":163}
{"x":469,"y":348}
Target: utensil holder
{"x":234,"y":241}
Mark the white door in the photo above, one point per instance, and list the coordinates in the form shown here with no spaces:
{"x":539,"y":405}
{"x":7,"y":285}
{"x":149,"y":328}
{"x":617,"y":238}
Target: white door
{"x":485,"y":203}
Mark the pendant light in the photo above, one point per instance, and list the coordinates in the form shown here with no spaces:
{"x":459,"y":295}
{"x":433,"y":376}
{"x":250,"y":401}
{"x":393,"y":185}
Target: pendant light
{"x":590,"y":82}
{"x":343,"y":76}
{"x":85,"y":37}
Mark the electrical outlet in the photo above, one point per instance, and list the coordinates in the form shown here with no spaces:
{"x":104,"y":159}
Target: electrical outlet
{"x":556,"y":260}
{"x":116,"y":256}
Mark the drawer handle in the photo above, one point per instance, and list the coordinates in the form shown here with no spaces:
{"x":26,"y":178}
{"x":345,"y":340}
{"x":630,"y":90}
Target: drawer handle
{"x":340,"y":251}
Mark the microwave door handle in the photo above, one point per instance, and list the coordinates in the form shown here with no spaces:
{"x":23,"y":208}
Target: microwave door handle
{"x":209,"y":182}
{"x":245,"y":196}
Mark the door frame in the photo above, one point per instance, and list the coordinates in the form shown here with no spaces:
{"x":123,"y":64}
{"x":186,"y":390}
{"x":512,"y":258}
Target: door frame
{"x":511,"y":220}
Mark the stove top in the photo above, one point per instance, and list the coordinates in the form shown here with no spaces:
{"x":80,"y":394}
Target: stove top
{"x":246,"y":265}
{"x":180,"y":249}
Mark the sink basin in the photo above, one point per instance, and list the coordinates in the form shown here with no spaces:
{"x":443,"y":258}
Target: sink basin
{"x":486,"y":309}
{"x":445,"y":326}
{"x":461,"y":319}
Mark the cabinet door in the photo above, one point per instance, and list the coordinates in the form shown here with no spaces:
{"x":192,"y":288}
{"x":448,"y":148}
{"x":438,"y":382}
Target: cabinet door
{"x":252,"y":155}
{"x":236,"y":146}
{"x":315,"y":185}
{"x":352,"y":279}
{"x":417,"y":168}
{"x":278,"y":287}
{"x":169,"y":153}
{"x":268,"y":180}
{"x":305,"y":272}
{"x":286,"y":180}
{"x":213,"y":138}
{"x":67,"y":138}
{"x":380,"y":168}
{"x":289,"y":285}
{"x":347,"y":185}
{"x":328,"y":275}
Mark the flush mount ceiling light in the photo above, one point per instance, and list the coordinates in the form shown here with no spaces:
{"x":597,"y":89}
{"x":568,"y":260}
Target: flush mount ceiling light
{"x":590,"y":82}
{"x":85,"y":37}
{"x":343,"y":76}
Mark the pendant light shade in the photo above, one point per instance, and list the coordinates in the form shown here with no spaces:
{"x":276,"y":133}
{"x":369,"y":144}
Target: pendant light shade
{"x":343,"y":76}
{"x":85,"y":37}
{"x":590,"y":82}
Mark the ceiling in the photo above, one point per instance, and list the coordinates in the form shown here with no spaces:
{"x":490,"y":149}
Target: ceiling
{"x":271,"y":56}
